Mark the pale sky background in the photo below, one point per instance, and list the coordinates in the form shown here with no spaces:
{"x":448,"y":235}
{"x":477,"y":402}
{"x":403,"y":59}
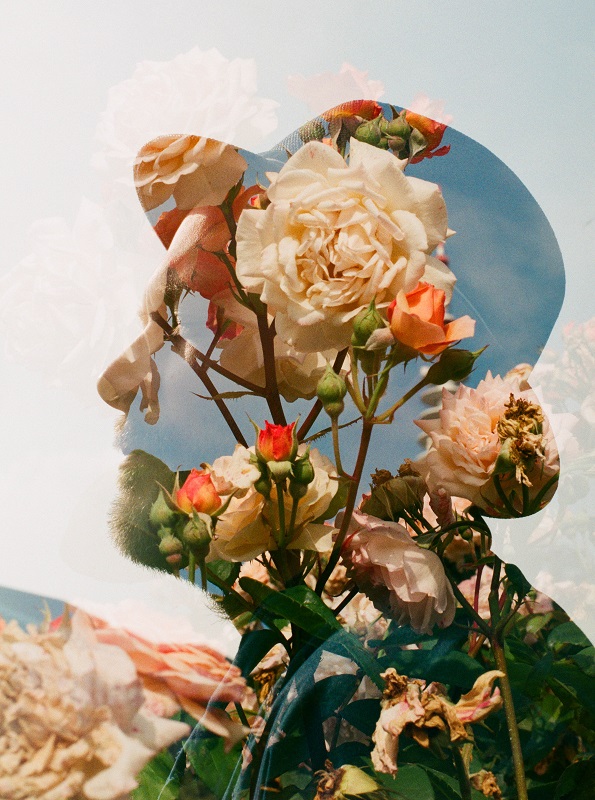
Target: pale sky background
{"x":515,"y":77}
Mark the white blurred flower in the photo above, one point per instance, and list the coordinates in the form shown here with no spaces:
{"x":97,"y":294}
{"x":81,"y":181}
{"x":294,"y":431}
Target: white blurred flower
{"x":199,"y":92}
{"x":72,"y":723}
{"x":66,"y":307}
{"x":327,"y":89}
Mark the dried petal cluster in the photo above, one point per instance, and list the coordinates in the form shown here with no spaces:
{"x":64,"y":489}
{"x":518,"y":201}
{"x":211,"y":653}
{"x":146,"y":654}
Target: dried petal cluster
{"x":72,"y":721}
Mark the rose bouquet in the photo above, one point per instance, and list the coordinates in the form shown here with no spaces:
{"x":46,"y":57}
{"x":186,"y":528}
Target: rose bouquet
{"x":379,"y":662}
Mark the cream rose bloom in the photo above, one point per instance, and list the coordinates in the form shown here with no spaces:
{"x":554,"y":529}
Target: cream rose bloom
{"x":195,"y":170}
{"x":398,"y":575}
{"x":465,"y":442}
{"x":245,"y":529}
{"x":335,"y":236}
{"x":72,"y":725}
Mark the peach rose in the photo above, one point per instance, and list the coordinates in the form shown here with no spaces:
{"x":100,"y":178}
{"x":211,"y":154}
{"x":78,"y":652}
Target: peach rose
{"x":195,"y":170}
{"x":467,"y":439}
{"x":178,"y":676}
{"x":397,"y":574}
{"x":417,"y":320}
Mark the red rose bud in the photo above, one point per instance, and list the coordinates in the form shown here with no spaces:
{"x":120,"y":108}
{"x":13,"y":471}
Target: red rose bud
{"x":277,"y":442}
{"x":198,"y":493}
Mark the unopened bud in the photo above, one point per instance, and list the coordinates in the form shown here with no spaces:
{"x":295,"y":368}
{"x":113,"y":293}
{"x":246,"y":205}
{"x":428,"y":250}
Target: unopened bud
{"x":263,"y":485}
{"x":303,"y":471}
{"x":454,"y":365}
{"x":370,"y":133}
{"x":197,"y":533}
{"x":170,"y":545}
{"x":279,"y":470}
{"x":366,"y":322}
{"x":331,"y":390}
{"x":398,"y":127}
{"x":160,"y":513}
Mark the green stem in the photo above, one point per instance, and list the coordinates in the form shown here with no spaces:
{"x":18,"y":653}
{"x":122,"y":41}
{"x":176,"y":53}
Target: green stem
{"x":336,"y":447}
{"x":462,"y":774}
{"x":191,"y":568}
{"x":367,"y":428}
{"x":281,"y":509}
{"x":388,"y":414}
{"x":502,"y":495}
{"x":513,"y":730}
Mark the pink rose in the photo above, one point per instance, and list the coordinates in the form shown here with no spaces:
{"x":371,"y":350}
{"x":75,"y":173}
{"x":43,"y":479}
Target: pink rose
{"x":397,"y":574}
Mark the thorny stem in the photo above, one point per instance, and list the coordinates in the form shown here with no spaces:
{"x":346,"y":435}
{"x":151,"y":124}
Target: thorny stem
{"x":367,"y":428}
{"x":267,"y":339}
{"x":204,"y":360}
{"x":281,"y":508}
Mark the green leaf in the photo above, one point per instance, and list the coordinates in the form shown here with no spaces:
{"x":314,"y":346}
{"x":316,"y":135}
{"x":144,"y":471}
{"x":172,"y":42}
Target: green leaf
{"x":141,"y":476}
{"x":346,"y":643}
{"x":520,"y":584}
{"x":567,"y":633}
{"x":577,"y":781}
{"x":410,"y":783}
{"x":226,"y":571}
{"x":330,"y":693}
{"x":253,"y":648}
{"x":154,"y":782}
{"x":363,"y":715}
{"x":586,"y":661}
{"x":447,"y":788}
{"x":299,"y":605}
{"x":214,"y":768}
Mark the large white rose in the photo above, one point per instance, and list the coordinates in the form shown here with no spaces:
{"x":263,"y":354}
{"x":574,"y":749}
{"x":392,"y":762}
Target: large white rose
{"x":335,"y":236}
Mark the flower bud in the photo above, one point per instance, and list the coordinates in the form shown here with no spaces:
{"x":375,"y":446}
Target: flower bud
{"x":279,"y":470}
{"x":370,"y":133}
{"x":398,"y":127}
{"x":331,"y":390}
{"x":366,"y":322}
{"x":454,"y":365}
{"x":161,"y":514}
{"x":303,"y":470}
{"x":276,"y":442}
{"x":170,"y":545}
{"x":198,"y":493}
{"x":197,"y":534}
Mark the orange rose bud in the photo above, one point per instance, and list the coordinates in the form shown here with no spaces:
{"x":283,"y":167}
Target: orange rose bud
{"x":277,"y":442}
{"x":417,"y":320}
{"x":198,"y":493}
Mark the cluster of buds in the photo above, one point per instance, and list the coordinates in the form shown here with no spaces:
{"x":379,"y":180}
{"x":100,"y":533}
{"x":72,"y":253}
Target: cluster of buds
{"x":276,"y":456}
{"x":184,"y":520}
{"x":520,"y":430}
{"x":408,"y":135}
